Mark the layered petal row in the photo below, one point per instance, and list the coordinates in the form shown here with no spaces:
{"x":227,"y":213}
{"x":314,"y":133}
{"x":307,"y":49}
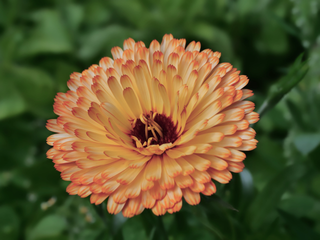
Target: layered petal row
{"x":152,"y":126}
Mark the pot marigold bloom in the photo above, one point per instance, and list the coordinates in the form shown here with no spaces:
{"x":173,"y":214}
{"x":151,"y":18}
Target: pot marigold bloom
{"x":152,"y":125}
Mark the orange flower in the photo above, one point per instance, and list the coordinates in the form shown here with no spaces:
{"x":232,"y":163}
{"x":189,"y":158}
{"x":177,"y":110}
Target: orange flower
{"x":152,"y":125}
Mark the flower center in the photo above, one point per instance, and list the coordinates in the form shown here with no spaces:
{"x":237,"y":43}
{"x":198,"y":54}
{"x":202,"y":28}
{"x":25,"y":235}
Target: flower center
{"x":154,"y":129}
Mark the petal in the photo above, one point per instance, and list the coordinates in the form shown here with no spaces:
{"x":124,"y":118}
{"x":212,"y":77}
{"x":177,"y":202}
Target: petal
{"x":183,"y":181}
{"x":147,"y":200}
{"x":191,"y":197}
{"x":235,"y":167}
{"x":197,"y":187}
{"x":132,"y":207}
{"x":157,"y":192}
{"x":176,"y":208}
{"x":171,"y":166}
{"x":166,"y":182}
{"x":215,"y":162}
{"x":186,"y":167}
{"x":198,"y":162}
{"x":113,"y":207}
{"x":201,"y":177}
{"x":223,"y":176}
{"x":210,"y":188}
{"x":153,"y":169}
{"x":98,"y":198}
{"x":158,"y":210}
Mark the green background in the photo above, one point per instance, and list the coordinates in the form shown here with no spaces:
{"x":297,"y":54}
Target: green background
{"x":275,"y":197}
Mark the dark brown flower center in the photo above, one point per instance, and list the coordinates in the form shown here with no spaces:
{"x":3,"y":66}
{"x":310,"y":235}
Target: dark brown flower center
{"x":159,"y":127}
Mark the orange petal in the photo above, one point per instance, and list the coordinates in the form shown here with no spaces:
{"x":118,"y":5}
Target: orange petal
{"x":153,"y":169}
{"x":201,"y":177}
{"x":132,"y":207}
{"x":147,"y":200}
{"x":223,"y":176}
{"x":157,"y":192}
{"x":215,"y":162}
{"x":198,"y":162}
{"x":236,"y":156}
{"x":134,"y":189}
{"x":252,"y":117}
{"x":113,"y":207}
{"x":171,"y":166}
{"x":166,"y":182}
{"x":110,"y":186}
{"x":73,"y":188}
{"x":183,"y":181}
{"x":229,"y":141}
{"x":187,"y":168}
{"x":235,"y":167}
{"x":166,"y":202}
{"x":84,"y":191}
{"x":98,"y":198}
{"x":176,"y":208}
{"x":128,"y":175}
{"x":158,"y":209}
{"x":197,"y":187}
{"x":191,"y":197}
{"x":219,"y":152}
{"x":119,"y":194}
{"x":247,"y":134}
{"x":210,"y":188}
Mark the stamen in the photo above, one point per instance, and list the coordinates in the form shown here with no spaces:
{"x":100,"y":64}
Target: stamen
{"x":143,"y":119}
{"x":154,"y":115}
{"x":149,"y":141}
{"x":137,"y":141}
{"x":153,"y":133}
{"x":153,"y":128}
{"x":146,"y":131}
{"x":134,"y":123}
{"x":157,"y":128}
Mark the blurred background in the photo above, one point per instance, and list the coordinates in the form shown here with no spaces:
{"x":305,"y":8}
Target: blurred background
{"x":43,"y":42}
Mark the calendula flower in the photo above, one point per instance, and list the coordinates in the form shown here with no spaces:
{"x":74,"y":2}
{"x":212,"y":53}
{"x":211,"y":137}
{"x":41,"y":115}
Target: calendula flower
{"x":152,"y":125}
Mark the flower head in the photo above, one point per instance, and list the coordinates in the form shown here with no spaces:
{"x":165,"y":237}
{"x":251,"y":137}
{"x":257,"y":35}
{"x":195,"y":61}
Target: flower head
{"x":152,"y":125}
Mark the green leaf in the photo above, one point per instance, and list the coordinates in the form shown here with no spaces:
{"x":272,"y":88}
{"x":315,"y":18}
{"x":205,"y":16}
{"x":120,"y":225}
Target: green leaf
{"x":298,"y":205}
{"x":134,"y":11}
{"x":117,"y":221}
{"x":49,"y":36}
{"x":202,"y":217}
{"x":296,"y":73}
{"x":133,"y":228}
{"x":314,"y":157}
{"x":267,"y":200}
{"x":307,"y":142}
{"x":296,"y":115}
{"x":101,"y":41}
{"x":315,"y":183}
{"x":218,"y":38}
{"x":9,"y":42}
{"x":11,"y":101}
{"x":215,"y":199}
{"x":37,"y":88}
{"x":49,"y":226}
{"x":242,"y":192}
{"x":9,"y":223}
{"x":62,"y":74}
{"x":272,"y":44}
{"x":96,"y":13}
{"x":74,"y":16}
{"x":153,"y":225}
{"x":298,"y":229}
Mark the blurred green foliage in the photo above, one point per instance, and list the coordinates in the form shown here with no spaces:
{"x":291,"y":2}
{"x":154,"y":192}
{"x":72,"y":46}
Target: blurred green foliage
{"x":275,"y":197}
